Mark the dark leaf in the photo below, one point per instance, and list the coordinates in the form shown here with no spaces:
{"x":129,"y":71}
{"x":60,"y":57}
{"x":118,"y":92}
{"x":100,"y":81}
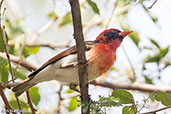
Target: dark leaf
{"x":148,"y":80}
{"x":155,"y":43}
{"x":124,"y":96}
{"x":156,"y":58}
{"x":3,"y":71}
{"x":165,"y":98}
{"x":93,"y":6}
{"x":127,"y":110}
{"x":1,"y":42}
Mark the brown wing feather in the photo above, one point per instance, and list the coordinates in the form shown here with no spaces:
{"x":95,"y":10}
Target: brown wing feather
{"x":72,"y":50}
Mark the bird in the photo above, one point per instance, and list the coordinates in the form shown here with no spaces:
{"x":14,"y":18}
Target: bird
{"x":100,"y":55}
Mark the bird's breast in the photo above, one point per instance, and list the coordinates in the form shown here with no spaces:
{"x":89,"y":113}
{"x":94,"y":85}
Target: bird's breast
{"x":100,"y":60}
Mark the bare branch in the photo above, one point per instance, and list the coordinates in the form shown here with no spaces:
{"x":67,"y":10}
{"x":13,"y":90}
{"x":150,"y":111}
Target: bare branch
{"x":30,"y":102}
{"x":135,"y":86}
{"x":60,"y":99}
{"x":7,"y":105}
{"x":154,"y":112}
{"x":152,"y":4}
{"x":80,"y":46}
{"x":9,"y":61}
{"x":64,"y":45}
{"x":16,"y":60}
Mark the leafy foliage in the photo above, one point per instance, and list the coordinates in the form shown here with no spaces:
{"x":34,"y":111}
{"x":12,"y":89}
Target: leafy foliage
{"x":128,"y":110}
{"x":118,"y":98}
{"x":34,"y":94}
{"x":66,"y":20}
{"x":165,"y":98}
{"x":93,"y":6}
{"x":73,"y":104}
{"x":3,"y":71}
{"x":157,"y":57}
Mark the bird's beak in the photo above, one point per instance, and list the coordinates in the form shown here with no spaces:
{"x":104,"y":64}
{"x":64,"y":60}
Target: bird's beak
{"x":125,"y":33}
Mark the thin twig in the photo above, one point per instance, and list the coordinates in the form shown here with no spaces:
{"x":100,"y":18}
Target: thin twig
{"x":6,"y":51}
{"x":60,"y":99}
{"x":24,"y":63}
{"x":3,"y":36}
{"x":30,"y":102}
{"x":43,"y":29}
{"x":152,"y":4}
{"x":129,"y":61}
{"x":7,"y":104}
{"x":154,"y":112}
{"x":64,"y":45}
{"x":110,"y":18}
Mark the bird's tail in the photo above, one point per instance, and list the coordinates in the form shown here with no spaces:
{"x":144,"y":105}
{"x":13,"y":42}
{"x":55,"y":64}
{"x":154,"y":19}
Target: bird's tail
{"x":23,"y":86}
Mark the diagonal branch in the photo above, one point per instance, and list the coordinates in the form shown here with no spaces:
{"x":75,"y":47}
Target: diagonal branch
{"x":7,"y":105}
{"x":154,"y":112}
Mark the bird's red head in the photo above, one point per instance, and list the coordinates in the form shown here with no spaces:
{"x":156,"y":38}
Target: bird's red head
{"x":111,"y":34}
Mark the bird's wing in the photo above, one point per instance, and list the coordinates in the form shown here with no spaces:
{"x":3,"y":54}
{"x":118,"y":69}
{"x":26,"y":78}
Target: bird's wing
{"x":70,"y":51}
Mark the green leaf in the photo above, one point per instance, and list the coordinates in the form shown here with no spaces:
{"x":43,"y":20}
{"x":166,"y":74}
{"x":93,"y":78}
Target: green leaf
{"x":18,"y":73}
{"x":34,"y":94}
{"x":14,"y":104}
{"x":156,"y":58}
{"x":124,"y":96}
{"x":163,"y":52}
{"x":135,"y":37}
{"x":93,"y":6}
{"x":66,"y":19}
{"x":153,"y":18}
{"x":15,"y":27}
{"x":3,"y":71}
{"x":165,"y":98}
{"x":148,"y":80}
{"x":155,"y":43}
{"x":127,"y":110}
{"x":73,"y":104}
{"x":30,"y":50}
{"x":1,"y":41}
{"x":52,"y":15}
{"x":70,"y":91}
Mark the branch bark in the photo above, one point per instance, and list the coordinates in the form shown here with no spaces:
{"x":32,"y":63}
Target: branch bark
{"x":80,"y":45}
{"x":30,"y":102}
{"x":7,"y":105}
{"x":136,"y":86}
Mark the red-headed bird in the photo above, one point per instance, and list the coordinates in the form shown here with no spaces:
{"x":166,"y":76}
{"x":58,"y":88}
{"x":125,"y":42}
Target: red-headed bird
{"x":100,"y":55}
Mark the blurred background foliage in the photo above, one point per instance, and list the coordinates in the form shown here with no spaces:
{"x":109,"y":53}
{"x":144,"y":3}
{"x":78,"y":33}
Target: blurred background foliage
{"x":25,"y":43}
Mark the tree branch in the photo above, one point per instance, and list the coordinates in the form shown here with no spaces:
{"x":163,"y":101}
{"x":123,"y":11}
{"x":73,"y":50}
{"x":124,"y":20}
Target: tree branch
{"x":152,"y":4}
{"x":7,"y":105}
{"x":154,"y":112}
{"x":16,"y":60}
{"x":135,"y":86}
{"x":30,"y":102}
{"x":80,"y":45}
